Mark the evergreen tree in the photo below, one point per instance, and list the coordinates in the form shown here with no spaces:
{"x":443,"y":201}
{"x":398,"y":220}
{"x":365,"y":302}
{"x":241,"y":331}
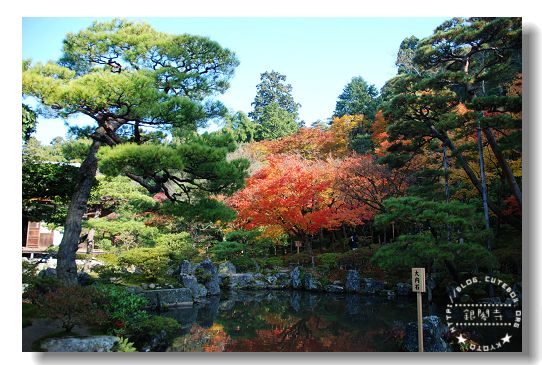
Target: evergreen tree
{"x":275,"y":111}
{"x":358,"y":97}
{"x":126,"y":76}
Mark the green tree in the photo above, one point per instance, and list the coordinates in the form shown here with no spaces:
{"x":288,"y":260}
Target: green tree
{"x":466,"y":63}
{"x":240,"y":127}
{"x":275,"y":122}
{"x":126,"y":76}
{"x":357,"y":97}
{"x":29,"y":122}
{"x":275,"y":110}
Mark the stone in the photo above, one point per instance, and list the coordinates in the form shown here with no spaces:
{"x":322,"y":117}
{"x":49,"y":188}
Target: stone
{"x":295,"y":277}
{"x":283,"y":280}
{"x":152,"y":286}
{"x":80,"y":344}
{"x":47,"y":273}
{"x":333,"y":288}
{"x":198,"y":290}
{"x":207,"y":274}
{"x":241,"y":281}
{"x":403,"y":289}
{"x":168,"y":297}
{"x":433,"y":332}
{"x":84,"y":278}
{"x":186,"y":268}
{"x":227,"y":268}
{"x":371,"y":286}
{"x":353,"y":282}
{"x":310,"y":283}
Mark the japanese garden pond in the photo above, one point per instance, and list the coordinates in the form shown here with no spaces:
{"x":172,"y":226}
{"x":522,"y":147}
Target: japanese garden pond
{"x":292,"y":321}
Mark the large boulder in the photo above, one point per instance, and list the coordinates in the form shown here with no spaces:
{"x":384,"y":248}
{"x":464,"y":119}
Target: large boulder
{"x":186,"y":268}
{"x":371,"y":286}
{"x":242,"y":281}
{"x":404,"y":289}
{"x":295,"y":277}
{"x":227,"y":268}
{"x":260,"y":282}
{"x":207,"y":274}
{"x":353,"y":282}
{"x":47,"y":273}
{"x":169,"y":297}
{"x":80,"y":344}
{"x":310,"y":283}
{"x":198,"y":290}
{"x":433,"y":332}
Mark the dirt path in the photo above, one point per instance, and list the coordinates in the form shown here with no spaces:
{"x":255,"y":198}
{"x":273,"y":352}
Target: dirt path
{"x":43,"y":327}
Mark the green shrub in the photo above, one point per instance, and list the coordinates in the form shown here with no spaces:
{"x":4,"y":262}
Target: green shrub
{"x":359,"y":259}
{"x":244,"y":264}
{"x":303,"y":259}
{"x":328,"y":261}
{"x":121,"y":306}
{"x":152,"y":261}
{"x":108,"y":259}
{"x":124,"y":346}
{"x":271,"y":262}
{"x":146,"y":331}
{"x":180,"y":245}
{"x":227,"y":250}
{"x":53,"y":250}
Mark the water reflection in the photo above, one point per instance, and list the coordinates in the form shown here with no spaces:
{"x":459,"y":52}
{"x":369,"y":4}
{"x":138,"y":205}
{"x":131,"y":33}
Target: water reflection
{"x":292,"y":321}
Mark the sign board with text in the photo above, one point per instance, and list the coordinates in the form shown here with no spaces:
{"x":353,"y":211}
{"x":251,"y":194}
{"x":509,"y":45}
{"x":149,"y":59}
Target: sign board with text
{"x":418,"y":279}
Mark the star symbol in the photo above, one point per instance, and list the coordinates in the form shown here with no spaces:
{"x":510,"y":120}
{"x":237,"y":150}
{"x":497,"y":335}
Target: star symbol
{"x":461,"y":339}
{"x":506,"y":339}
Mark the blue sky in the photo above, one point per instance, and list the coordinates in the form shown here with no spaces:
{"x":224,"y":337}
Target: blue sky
{"x":319,"y":56}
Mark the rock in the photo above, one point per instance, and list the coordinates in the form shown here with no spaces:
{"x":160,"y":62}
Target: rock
{"x":334,"y":288}
{"x":241,"y":281}
{"x":371,"y":286}
{"x":186,"y":268}
{"x":310,"y":283}
{"x":353,"y":284}
{"x":47,"y":273}
{"x":433,"y":332}
{"x":84,"y":278}
{"x":80,"y":344}
{"x":207,"y":274}
{"x":260,"y":282}
{"x":404,"y":289}
{"x":168,"y":297}
{"x":198,"y":290}
{"x":295,"y":277}
{"x":227,"y":268}
{"x":152,"y":286}
{"x":283,"y":281}
{"x":145,"y":286}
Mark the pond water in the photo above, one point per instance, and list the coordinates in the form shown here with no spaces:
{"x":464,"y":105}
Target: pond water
{"x":293,"y":321}
{"x":297,"y":321}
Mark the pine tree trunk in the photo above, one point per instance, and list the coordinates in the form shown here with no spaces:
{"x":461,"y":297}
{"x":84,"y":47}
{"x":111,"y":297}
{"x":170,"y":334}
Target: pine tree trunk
{"x":516,"y":191}
{"x":66,"y":267}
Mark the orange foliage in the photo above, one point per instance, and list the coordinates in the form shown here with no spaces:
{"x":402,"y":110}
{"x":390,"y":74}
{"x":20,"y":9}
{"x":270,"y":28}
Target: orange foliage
{"x":298,"y":195}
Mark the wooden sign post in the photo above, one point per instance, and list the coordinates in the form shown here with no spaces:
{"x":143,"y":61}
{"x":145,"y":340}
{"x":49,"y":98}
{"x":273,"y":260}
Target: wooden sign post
{"x":297,"y":245}
{"x":418,"y":286}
